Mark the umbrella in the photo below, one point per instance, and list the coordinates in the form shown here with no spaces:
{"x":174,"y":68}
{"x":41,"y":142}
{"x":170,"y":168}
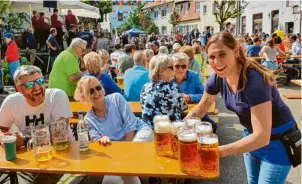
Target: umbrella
{"x":135,"y":31}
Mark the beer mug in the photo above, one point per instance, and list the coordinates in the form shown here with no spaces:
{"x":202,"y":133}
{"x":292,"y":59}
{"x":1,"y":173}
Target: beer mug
{"x":160,"y":117}
{"x":188,"y":153}
{"x":162,"y":137}
{"x":208,"y":156}
{"x":120,"y":80}
{"x":203,"y":128}
{"x":39,"y":145}
{"x":192,"y":121}
{"x":59,"y":134}
{"x":174,"y":138}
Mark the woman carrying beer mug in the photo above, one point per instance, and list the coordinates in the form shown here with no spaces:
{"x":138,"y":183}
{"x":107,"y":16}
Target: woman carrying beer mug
{"x":248,"y":89}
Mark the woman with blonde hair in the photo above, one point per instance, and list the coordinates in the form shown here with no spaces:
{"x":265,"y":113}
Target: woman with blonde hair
{"x":249,"y":89}
{"x":161,"y":95}
{"x":95,"y":67}
{"x":105,"y":58}
{"x":193,"y":64}
{"x":111,"y":117}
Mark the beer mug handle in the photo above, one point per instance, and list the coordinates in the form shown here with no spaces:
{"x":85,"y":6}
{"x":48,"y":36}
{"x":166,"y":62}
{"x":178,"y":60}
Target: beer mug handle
{"x":31,"y":147}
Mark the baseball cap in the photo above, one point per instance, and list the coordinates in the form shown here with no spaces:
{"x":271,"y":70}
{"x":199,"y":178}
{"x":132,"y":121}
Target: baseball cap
{"x":155,"y":43}
{"x":8,"y":35}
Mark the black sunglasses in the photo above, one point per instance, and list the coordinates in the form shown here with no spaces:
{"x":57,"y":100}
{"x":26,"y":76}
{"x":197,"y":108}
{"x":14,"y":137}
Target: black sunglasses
{"x":92,"y":90}
{"x":182,"y":66}
{"x":171,"y":67}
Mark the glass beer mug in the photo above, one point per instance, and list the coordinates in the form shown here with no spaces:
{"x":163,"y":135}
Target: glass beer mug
{"x":120,"y":80}
{"x":188,"y":153}
{"x":209,"y":156}
{"x":59,"y":134}
{"x":174,"y":138}
{"x":203,"y":128}
{"x":39,"y":145}
{"x":192,"y":121}
{"x":162,"y":136}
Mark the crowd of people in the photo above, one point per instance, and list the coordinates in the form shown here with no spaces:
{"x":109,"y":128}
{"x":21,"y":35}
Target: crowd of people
{"x":164,"y":80}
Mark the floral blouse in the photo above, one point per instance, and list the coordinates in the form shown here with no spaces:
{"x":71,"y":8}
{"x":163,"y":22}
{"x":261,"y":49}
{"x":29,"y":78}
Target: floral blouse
{"x":161,"y":97}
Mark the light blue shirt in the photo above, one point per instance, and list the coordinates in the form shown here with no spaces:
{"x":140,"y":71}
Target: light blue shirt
{"x":134,"y":80}
{"x":118,"y":121}
{"x":296,"y":48}
{"x":191,"y":86}
{"x":195,"y":66}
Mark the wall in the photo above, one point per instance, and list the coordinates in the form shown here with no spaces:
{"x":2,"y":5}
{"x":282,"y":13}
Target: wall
{"x":162,"y":21}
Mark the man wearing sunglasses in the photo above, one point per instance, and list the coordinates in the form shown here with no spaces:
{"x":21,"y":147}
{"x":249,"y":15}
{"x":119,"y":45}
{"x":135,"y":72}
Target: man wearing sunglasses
{"x":33,"y":104}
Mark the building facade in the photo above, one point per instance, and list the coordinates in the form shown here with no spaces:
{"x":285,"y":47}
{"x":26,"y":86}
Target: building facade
{"x":268,"y":16}
{"x":159,"y":13}
{"x":118,"y":16}
{"x":207,"y":17}
{"x":189,"y":11}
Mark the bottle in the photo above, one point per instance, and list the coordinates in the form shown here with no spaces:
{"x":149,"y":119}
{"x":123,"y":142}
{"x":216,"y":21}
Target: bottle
{"x":82,"y":131}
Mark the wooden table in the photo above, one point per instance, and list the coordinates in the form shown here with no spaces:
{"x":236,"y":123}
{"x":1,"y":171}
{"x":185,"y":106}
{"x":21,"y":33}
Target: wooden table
{"x":294,"y":95}
{"x":297,"y":82}
{"x":278,"y":57}
{"x":121,"y":158}
{"x":135,"y":106}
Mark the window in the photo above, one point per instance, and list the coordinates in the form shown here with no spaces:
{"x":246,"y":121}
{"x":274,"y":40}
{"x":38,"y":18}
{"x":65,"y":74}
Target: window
{"x":287,"y":3}
{"x":155,"y":14}
{"x":205,"y":9}
{"x":197,"y":6}
{"x":163,"y":13}
{"x":243,"y":25}
{"x":164,"y":30}
{"x":275,"y":20}
{"x":257,"y":23}
{"x":179,"y":9}
{"x":187,"y":8}
{"x":213,"y":8}
{"x":120,"y":16}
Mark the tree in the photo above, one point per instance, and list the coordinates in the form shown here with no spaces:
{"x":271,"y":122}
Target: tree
{"x":174,"y":18}
{"x":17,"y":19}
{"x":105,"y":6}
{"x":226,"y":9}
{"x":153,"y":29}
{"x":4,"y":7}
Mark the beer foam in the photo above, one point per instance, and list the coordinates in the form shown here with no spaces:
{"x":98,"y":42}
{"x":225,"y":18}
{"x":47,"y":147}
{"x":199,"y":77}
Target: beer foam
{"x":207,"y":140}
{"x":203,"y":129}
{"x":160,"y":117}
{"x":162,"y":127}
{"x":192,"y":121}
{"x":175,"y":125}
{"x":187,"y":136}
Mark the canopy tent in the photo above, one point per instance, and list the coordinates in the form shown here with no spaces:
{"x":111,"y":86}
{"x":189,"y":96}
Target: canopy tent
{"x":78,"y":8}
{"x":135,"y":31}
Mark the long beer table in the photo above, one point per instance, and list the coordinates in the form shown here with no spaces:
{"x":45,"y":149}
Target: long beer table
{"x":294,"y":95}
{"x":135,"y":106}
{"x":120,"y":158}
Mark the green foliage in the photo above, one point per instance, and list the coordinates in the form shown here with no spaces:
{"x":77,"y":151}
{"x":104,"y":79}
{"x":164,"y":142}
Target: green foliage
{"x":174,"y":17}
{"x":6,"y":76}
{"x":17,"y":19}
{"x":4,"y":7}
{"x":105,"y":6}
{"x":153,"y":28}
{"x":226,"y":9}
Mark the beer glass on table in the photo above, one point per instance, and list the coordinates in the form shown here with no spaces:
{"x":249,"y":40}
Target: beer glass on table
{"x":162,"y":136}
{"x":120,"y":80}
{"x":174,"y":129}
{"x":192,"y":121}
{"x":208,"y":151}
{"x":39,"y":145}
{"x":188,"y":153}
{"x":203,"y":128}
{"x":59,"y":134}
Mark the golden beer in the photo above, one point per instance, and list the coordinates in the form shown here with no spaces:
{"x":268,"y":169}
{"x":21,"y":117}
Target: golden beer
{"x":188,"y":153}
{"x":209,"y":156}
{"x":203,"y":128}
{"x":192,"y":121}
{"x":162,"y":138}
{"x":43,"y":153}
{"x":174,"y":138}
{"x":120,"y":81}
{"x":60,"y":145}
{"x":59,"y":134}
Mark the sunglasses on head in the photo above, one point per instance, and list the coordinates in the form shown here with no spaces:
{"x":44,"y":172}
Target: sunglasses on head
{"x":29,"y":85}
{"x":97,"y":88}
{"x":182,"y":66}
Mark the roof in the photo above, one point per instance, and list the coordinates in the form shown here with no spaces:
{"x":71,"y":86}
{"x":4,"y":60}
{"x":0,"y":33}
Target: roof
{"x":190,"y":17}
{"x":181,"y":1}
{"x":154,"y":4}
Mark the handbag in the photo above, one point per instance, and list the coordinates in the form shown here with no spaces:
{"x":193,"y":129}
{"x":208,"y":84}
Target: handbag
{"x":291,"y":140}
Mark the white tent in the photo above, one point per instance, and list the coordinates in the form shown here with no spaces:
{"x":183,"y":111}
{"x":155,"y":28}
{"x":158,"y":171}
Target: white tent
{"x":78,"y":8}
